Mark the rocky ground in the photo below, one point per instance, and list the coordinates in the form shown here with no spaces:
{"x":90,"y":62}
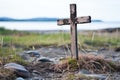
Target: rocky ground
{"x":52,"y":53}
{"x":42,"y":61}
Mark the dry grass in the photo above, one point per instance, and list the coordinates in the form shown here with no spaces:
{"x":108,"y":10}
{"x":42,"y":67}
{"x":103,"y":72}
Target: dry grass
{"x":6,"y":74}
{"x":95,"y":64}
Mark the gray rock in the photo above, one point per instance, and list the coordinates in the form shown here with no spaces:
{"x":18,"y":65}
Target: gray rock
{"x":30,"y":56}
{"x":53,"y":51}
{"x":18,"y":69}
{"x":37,"y":78}
{"x":102,"y":49}
{"x":117,"y":49}
{"x":89,"y":74}
{"x":117,"y":59}
{"x":44,"y":59}
{"x":33,"y":53}
{"x":19,"y":78}
{"x":98,"y":76}
{"x":83,"y":71}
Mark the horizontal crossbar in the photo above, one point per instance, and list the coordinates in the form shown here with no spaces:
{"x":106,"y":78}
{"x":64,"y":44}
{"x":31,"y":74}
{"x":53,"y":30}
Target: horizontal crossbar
{"x":79,"y":20}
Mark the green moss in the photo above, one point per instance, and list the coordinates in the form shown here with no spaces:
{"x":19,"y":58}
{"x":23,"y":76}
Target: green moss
{"x":72,"y":63}
{"x":70,"y":77}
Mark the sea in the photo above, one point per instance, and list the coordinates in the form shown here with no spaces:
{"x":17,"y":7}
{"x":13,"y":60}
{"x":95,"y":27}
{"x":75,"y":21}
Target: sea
{"x":53,"y":25}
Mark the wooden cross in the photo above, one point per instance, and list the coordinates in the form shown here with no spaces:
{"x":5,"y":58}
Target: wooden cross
{"x":73,"y":21}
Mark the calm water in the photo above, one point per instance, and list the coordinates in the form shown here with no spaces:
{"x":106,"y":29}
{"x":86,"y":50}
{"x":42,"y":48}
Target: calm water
{"x":53,"y":25}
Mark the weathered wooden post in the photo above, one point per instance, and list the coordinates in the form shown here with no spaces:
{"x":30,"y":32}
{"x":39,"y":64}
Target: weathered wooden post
{"x":73,"y":28}
{"x":73,"y":21}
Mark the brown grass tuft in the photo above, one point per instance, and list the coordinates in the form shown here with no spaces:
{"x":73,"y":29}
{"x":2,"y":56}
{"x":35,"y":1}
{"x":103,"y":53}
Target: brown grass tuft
{"x":89,"y":62}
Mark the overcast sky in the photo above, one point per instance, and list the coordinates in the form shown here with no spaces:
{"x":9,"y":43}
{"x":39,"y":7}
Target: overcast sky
{"x":107,"y":10}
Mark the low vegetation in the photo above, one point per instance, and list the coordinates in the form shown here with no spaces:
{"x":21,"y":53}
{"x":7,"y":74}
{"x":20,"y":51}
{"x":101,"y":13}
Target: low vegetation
{"x":9,"y":55}
{"x":85,"y":39}
{"x":95,"y":64}
{"x":13,"y":41}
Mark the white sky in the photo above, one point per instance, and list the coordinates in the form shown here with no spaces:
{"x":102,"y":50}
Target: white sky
{"x":107,"y":10}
